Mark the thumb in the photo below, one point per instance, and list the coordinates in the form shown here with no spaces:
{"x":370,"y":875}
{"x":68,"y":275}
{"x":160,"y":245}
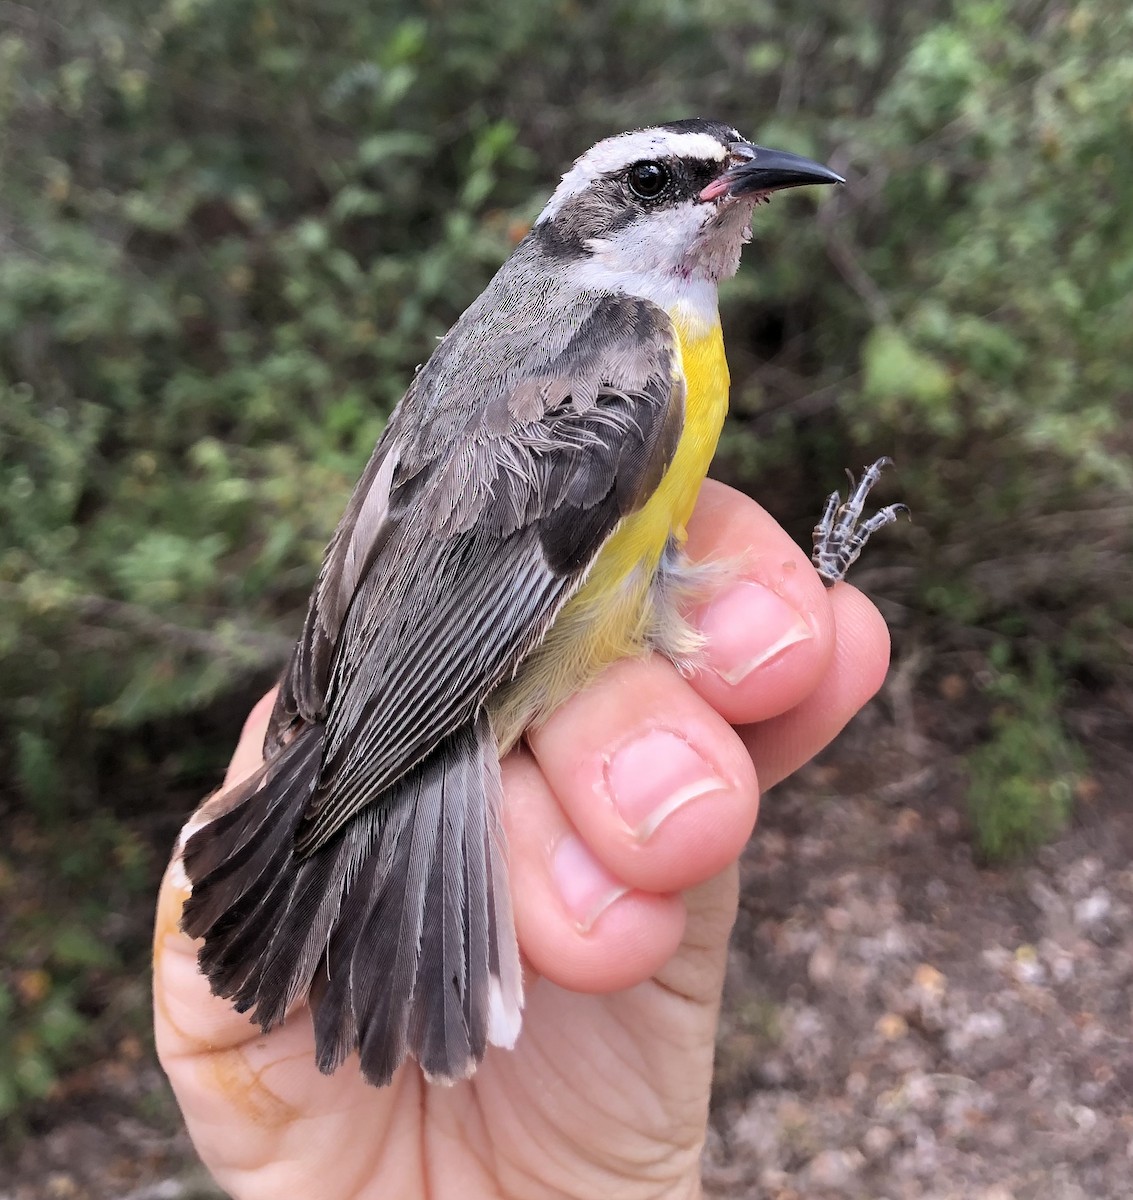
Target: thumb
{"x":188,"y":1018}
{"x":252,"y":1100}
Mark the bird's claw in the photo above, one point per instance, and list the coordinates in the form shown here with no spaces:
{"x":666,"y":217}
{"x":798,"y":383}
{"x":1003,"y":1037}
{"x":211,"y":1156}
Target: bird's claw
{"x":841,"y":535}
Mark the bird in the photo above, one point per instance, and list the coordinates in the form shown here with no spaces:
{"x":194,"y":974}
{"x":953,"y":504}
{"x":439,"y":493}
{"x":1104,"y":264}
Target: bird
{"x":520,"y":526}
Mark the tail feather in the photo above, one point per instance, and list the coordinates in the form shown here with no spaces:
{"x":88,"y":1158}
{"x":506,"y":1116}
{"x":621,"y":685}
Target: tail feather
{"x":478,"y":930}
{"x":387,"y":948}
{"x":399,"y":929}
{"x":332,"y":1000}
{"x":505,"y":1010}
{"x":440,"y":1030}
{"x":245,"y":844}
{"x":290,"y":963}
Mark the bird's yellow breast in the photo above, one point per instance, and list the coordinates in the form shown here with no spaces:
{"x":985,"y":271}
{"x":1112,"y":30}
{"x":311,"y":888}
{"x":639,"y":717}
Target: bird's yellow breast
{"x":642,"y":536}
{"x":612,"y":615}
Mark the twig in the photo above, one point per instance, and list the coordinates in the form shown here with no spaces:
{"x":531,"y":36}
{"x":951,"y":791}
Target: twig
{"x":200,"y":641}
{"x":842,"y":255}
{"x":239,"y":643}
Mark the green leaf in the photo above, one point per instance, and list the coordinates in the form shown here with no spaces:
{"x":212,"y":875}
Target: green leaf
{"x":895,"y":370}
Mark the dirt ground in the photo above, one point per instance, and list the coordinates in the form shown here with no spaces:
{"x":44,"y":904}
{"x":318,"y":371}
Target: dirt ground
{"x":900,"y":1023}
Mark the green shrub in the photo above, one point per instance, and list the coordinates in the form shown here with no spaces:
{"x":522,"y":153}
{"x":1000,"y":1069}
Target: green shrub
{"x":1022,"y":779}
{"x":68,"y":953}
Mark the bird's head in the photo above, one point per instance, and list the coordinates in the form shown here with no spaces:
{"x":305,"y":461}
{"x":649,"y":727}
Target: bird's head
{"x":666,"y":204}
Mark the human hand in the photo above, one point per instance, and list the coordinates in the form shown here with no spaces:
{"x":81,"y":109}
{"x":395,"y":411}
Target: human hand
{"x":625,"y":816}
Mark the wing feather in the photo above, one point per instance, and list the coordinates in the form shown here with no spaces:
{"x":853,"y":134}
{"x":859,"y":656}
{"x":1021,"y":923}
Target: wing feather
{"x":468,"y":555}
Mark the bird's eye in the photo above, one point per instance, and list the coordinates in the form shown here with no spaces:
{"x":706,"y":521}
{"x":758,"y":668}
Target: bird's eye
{"x":648,"y":180}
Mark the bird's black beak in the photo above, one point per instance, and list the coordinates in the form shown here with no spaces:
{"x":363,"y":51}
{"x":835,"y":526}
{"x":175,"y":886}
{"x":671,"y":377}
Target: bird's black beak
{"x":754,"y":169}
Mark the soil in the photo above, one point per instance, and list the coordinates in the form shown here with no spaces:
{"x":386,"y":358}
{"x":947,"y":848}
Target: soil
{"x":903,"y":1024}
{"x":900,"y":1022}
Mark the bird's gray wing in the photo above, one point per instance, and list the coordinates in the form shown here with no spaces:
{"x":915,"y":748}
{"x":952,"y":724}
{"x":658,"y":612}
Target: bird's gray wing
{"x":450,"y":566}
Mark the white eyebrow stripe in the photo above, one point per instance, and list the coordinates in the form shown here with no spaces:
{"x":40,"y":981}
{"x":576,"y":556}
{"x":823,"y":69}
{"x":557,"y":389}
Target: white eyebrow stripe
{"x":628,"y":148}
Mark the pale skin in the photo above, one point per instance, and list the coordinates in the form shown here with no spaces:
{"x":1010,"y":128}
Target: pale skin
{"x":624,"y":901}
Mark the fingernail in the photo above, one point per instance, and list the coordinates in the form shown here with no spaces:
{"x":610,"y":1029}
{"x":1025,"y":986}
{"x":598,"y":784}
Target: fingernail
{"x":653,"y":776}
{"x":747,"y":626}
{"x":586,"y":887}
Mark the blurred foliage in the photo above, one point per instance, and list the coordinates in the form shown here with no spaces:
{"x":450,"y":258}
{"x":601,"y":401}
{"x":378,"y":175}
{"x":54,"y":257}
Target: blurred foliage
{"x":1023,"y":778}
{"x":66,"y":943}
{"x":231,"y":228}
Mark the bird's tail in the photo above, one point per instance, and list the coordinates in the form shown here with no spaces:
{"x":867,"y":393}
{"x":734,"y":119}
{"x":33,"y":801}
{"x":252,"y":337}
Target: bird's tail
{"x":399,"y":928}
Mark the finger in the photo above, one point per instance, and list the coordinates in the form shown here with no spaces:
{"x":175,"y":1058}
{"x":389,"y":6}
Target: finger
{"x":249,"y":752}
{"x":656,"y":782}
{"x":578,"y":925}
{"x":856,"y":672}
{"x":770,"y":628}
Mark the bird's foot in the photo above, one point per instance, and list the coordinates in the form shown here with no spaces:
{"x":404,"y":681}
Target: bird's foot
{"x":841,"y":534}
